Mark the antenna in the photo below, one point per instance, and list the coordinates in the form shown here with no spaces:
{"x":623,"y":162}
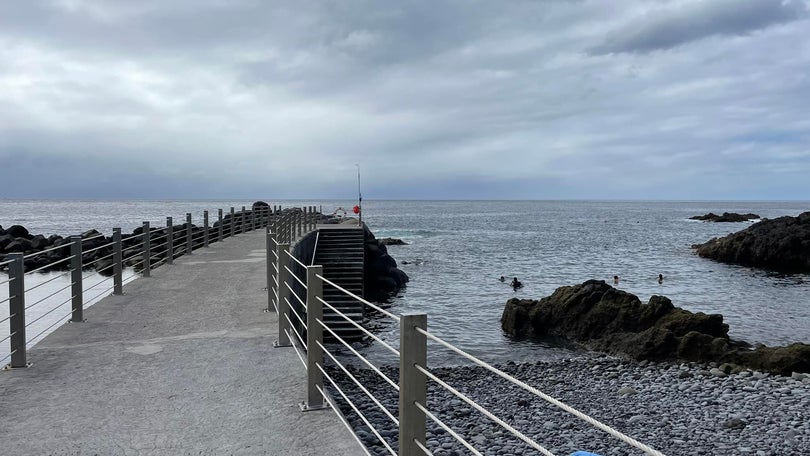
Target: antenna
{"x":359,"y":197}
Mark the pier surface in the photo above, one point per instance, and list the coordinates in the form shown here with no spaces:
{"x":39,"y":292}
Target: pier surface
{"x":182,"y":363}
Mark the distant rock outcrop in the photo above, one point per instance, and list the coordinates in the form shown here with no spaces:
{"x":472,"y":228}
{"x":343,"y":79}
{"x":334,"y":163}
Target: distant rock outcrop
{"x":606,"y":319}
{"x":392,"y":241}
{"x":726,"y":217}
{"x":781,"y":244}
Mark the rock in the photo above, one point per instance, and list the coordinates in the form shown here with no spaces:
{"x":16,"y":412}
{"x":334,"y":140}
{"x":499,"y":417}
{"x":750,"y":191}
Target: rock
{"x":717,"y":372}
{"x":18,"y":245}
{"x":726,"y":217}
{"x":798,"y":376}
{"x":627,"y":391}
{"x":18,"y":231}
{"x":734,"y":423}
{"x":605,"y":319}
{"x":781,"y":244}
{"x":39,"y":242}
{"x":382,"y":277}
{"x":392,"y":241}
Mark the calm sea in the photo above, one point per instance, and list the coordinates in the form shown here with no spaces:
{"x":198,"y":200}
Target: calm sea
{"x":458,"y":249}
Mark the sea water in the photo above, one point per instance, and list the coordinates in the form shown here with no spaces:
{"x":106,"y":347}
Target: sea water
{"x":457,"y":250}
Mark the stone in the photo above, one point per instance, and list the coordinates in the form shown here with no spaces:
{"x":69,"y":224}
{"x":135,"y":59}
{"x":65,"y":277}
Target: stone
{"x":715,"y":372}
{"x":726,"y":217}
{"x":17,"y":231}
{"x":734,"y":423}
{"x":627,"y":391}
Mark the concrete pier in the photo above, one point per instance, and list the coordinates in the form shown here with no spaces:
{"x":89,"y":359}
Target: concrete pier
{"x":181,"y":363}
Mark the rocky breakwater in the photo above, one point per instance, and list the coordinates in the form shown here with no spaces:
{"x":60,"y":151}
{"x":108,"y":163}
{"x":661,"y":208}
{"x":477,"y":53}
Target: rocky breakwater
{"x":780,"y":244}
{"x":602,"y":318}
{"x":382,"y":277}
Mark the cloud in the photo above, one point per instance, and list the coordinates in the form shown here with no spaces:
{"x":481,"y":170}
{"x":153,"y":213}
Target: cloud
{"x":681,"y":23}
{"x":454,"y":99}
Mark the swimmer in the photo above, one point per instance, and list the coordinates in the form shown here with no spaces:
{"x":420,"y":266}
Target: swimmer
{"x":516,"y":284}
{"x":503,"y":279}
{"x":615,"y":280}
{"x":660,"y":278}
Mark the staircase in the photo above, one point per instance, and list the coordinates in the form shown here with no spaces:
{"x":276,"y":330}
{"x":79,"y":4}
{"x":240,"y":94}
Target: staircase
{"x":340,"y":252}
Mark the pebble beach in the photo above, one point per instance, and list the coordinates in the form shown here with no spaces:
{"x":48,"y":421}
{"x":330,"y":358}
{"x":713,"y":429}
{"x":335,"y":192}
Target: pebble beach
{"x":678,"y":409}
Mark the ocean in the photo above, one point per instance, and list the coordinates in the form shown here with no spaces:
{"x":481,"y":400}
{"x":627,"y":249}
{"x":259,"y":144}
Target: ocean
{"x":457,"y":250}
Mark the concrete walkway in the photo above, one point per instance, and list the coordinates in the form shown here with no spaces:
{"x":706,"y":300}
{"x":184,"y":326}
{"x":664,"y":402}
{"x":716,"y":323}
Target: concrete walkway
{"x":181,"y":364}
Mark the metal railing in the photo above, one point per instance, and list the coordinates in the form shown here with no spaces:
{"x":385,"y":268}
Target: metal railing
{"x":304,"y":330}
{"x":148,"y":248}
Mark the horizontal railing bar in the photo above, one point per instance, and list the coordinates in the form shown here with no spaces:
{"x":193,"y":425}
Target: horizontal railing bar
{"x":49,"y":327}
{"x":110,"y":244}
{"x":8,"y":318}
{"x":48,"y":312}
{"x":298,"y":317}
{"x":97,"y":283}
{"x":105,"y":268}
{"x":358,"y":326}
{"x":7,"y":281}
{"x":40,"y":252}
{"x":8,"y":357}
{"x":361,"y":357}
{"x":59,"y":276}
{"x":289,"y":254}
{"x":5,"y":262}
{"x":49,"y":296}
{"x":347,"y":292}
{"x":7,"y":299}
{"x":9,"y":336}
{"x":342,"y":419}
{"x":484,"y":411}
{"x":447,"y":428}
{"x":592,"y":421}
{"x":93,"y":237}
{"x":295,"y":349}
{"x":99,"y":259}
{"x":49,"y":265}
{"x":357,"y":382}
{"x":292,"y":274}
{"x":422,"y":447}
{"x":100,"y":294}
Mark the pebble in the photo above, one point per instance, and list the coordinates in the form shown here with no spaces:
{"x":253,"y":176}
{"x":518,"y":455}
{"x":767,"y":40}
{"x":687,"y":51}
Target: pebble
{"x":749,"y":413}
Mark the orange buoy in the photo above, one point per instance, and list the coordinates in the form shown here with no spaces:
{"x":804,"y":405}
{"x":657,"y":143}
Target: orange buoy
{"x":356,"y":209}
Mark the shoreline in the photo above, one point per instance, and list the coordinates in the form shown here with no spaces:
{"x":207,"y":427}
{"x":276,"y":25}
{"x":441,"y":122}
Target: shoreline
{"x":685,"y":408}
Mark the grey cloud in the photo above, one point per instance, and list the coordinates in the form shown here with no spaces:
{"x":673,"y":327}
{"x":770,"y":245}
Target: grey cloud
{"x":668,"y":27}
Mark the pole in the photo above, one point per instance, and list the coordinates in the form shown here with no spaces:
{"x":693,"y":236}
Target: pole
{"x":76,"y":279}
{"x":118,"y":266}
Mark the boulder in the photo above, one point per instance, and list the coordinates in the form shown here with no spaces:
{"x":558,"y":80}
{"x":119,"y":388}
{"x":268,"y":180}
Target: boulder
{"x":603,"y":318}
{"x":18,"y":245}
{"x":781,"y":244}
{"x":5,"y":239}
{"x":726,"y":217}
{"x":18,"y":231}
{"x":392,"y":241}
{"x":39,"y":242}
{"x":260,"y":205}
{"x":382,"y":277}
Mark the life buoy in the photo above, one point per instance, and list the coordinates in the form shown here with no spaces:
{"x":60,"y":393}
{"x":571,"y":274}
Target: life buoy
{"x":356,"y":209}
{"x":339,"y":212}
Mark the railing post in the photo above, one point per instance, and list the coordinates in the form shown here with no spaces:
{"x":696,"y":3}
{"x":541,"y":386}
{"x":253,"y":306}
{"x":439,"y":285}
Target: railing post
{"x":118,"y":260}
{"x":271,"y":273}
{"x":147,"y":250}
{"x":233,"y":223}
{"x":282,"y":264}
{"x":315,"y":399}
{"x":219,"y":228}
{"x":242,"y":221}
{"x":412,"y":383}
{"x":16,"y":309}
{"x":205,"y":228}
{"x":189,"y":246}
{"x":299,"y":223}
{"x":77,"y":302}
{"x":169,"y":240}
{"x":253,"y":219}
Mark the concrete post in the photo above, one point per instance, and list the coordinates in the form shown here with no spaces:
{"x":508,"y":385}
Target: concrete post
{"x":270,"y":247}
{"x":282,"y":264}
{"x":147,"y":250}
{"x":77,"y":303}
{"x":242,"y":221}
{"x":16,"y":309}
{"x":118,"y":260}
{"x":205,"y":228}
{"x":189,"y":240}
{"x":219,"y":230}
{"x":314,"y":337}
{"x":169,"y":240}
{"x":412,"y":383}
{"x":233,"y":223}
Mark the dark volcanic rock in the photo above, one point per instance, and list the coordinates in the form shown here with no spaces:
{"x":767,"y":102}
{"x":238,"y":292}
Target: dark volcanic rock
{"x":606,"y":319}
{"x":381,"y":275}
{"x":726,"y":217}
{"x":392,"y":241}
{"x":18,"y":231}
{"x":781,"y":244}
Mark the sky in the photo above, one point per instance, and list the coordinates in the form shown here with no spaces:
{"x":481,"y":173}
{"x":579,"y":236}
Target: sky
{"x":433,"y":99}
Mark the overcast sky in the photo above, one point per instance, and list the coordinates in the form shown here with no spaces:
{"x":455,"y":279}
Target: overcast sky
{"x":434,"y":99}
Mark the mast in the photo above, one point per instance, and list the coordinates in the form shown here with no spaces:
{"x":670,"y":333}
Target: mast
{"x":359,"y":197}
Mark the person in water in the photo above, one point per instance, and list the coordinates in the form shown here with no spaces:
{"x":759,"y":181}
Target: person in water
{"x":660,"y":278}
{"x":503,"y":279}
{"x":615,"y":280}
{"x":516,"y":284}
